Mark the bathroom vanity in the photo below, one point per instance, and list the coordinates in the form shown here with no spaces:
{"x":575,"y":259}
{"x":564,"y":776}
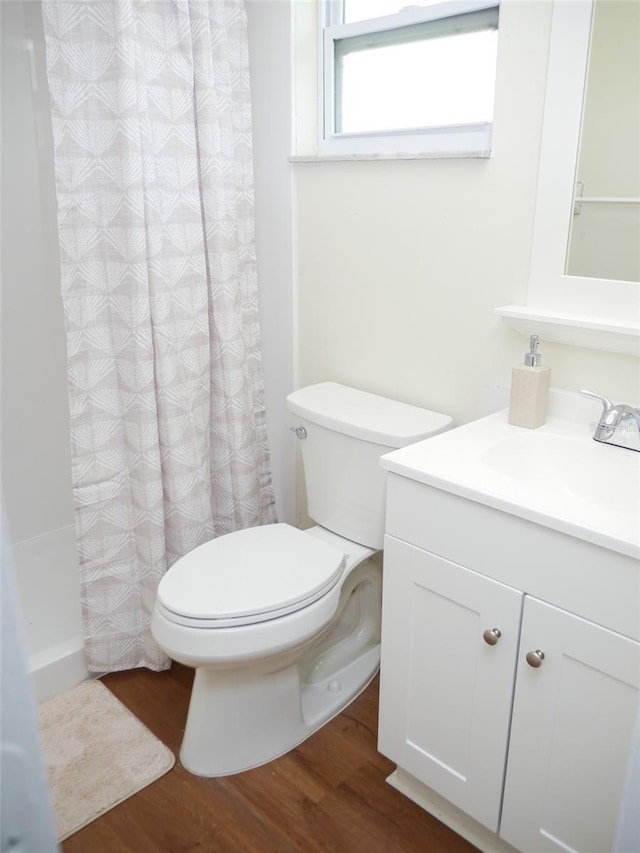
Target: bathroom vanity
{"x":510,"y":674}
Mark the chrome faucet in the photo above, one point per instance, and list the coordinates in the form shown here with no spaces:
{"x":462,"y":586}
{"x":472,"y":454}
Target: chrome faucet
{"x":612,"y":417}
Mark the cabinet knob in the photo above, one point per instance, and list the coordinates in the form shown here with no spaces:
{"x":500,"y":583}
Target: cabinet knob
{"x":535,"y":659}
{"x":491,"y":636}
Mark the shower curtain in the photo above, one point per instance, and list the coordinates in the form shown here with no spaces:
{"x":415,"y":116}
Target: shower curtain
{"x":151,"y":116}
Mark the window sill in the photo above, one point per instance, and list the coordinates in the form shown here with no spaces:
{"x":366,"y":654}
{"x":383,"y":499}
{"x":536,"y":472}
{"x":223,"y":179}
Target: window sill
{"x":573,"y":329}
{"x":337,"y":158}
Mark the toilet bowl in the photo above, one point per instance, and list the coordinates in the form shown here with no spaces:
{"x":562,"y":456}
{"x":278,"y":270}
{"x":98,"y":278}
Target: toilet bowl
{"x":281,"y":625}
{"x":262,"y":685}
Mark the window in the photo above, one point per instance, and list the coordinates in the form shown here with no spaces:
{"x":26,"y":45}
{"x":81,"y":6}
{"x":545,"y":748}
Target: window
{"x":414,"y":80}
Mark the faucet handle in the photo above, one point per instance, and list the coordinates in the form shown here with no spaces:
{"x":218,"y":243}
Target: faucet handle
{"x":611,"y":419}
{"x":606,"y":402}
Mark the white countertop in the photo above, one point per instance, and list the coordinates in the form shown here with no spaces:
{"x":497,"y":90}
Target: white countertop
{"x":555,"y":475}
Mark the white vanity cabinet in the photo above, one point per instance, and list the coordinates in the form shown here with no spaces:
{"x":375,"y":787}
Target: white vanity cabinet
{"x":445,"y":699}
{"x":571,"y":733}
{"x":507,"y":685}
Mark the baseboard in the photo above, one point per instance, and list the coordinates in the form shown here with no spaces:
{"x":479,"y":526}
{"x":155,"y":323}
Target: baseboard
{"x":447,"y":813}
{"x":58,"y":668}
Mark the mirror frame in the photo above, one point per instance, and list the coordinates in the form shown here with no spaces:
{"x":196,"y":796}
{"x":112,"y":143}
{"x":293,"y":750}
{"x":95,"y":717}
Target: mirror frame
{"x":570,"y":309}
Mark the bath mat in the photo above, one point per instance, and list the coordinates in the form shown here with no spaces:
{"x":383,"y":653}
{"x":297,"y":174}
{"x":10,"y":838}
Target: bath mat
{"x":97,"y":754}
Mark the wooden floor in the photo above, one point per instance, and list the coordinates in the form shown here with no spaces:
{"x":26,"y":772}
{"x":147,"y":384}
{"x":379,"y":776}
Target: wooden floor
{"x":329,"y":794}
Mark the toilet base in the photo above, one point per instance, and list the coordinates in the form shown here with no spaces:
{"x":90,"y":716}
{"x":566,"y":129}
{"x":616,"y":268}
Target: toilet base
{"x":247,"y":709}
{"x":236,"y":722}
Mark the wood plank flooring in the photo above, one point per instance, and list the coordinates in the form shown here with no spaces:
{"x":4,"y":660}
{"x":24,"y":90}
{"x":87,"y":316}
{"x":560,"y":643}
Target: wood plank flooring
{"x":328,"y":795}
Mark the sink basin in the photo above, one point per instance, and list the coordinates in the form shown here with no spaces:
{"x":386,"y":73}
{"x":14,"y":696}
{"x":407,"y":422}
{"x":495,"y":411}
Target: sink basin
{"x":590,"y":474}
{"x":555,"y":475}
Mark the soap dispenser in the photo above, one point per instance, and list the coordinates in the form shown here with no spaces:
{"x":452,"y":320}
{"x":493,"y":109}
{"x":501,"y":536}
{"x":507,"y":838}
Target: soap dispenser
{"x":529,"y":390}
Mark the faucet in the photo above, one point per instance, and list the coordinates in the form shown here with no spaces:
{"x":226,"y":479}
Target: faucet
{"x":611,"y":418}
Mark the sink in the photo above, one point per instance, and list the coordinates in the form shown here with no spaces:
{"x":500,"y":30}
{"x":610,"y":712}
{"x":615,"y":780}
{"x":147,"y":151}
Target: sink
{"x":588,"y":473}
{"x":556,"y":475}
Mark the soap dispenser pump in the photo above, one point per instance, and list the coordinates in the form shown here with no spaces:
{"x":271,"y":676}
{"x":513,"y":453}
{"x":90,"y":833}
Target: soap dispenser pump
{"x":529,"y":389}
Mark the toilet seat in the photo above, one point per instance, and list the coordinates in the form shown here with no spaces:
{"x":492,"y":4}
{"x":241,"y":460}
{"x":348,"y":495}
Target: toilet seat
{"x":249,"y":576}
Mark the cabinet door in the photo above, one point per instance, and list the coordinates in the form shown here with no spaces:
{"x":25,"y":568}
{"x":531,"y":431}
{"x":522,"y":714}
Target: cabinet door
{"x":571,"y":735}
{"x":445,"y":692}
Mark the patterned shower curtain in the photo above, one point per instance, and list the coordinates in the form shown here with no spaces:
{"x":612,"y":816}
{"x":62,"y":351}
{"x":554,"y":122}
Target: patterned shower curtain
{"x":152,"y":131}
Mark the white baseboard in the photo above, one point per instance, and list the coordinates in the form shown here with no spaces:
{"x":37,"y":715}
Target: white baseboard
{"x":447,"y":813}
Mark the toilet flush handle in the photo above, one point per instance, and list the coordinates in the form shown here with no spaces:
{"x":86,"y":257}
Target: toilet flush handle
{"x":300,"y":431}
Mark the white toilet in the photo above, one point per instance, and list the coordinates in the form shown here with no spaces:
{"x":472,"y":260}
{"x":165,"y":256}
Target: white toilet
{"x":283,"y":625}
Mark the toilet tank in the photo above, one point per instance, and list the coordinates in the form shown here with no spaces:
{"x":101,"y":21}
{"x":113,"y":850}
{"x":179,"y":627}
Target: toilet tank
{"x":347,"y":431}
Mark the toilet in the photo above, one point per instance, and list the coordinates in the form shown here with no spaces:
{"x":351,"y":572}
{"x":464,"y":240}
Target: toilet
{"x":282,"y":625}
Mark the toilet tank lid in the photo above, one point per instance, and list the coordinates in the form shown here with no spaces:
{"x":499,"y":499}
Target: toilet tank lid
{"x":366,"y":416}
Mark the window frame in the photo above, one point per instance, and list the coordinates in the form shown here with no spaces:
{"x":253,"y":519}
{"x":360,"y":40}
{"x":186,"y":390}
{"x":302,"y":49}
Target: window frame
{"x":459,"y":140}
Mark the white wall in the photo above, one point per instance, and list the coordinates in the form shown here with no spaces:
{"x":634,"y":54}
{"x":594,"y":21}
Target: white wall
{"x":269,"y":23}
{"x":35,"y":420}
{"x":36,"y":477}
{"x":400,"y":264}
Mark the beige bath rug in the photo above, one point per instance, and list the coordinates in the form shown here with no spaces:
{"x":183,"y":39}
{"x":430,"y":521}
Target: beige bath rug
{"x":97,"y":754}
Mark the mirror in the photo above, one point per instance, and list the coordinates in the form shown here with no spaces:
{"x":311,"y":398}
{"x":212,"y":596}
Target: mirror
{"x":589,"y":309}
{"x":605,"y":222}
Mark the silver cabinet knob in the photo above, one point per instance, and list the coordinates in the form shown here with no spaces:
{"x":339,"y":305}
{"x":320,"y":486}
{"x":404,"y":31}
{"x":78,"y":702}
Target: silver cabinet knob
{"x":300,"y":431}
{"x":535,"y":659}
{"x":492,"y":635}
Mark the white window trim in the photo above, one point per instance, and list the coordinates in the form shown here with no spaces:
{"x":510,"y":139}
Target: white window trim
{"x":468,"y":140}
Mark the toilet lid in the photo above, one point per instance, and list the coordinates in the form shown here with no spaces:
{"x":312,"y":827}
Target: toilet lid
{"x":250,"y":576}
